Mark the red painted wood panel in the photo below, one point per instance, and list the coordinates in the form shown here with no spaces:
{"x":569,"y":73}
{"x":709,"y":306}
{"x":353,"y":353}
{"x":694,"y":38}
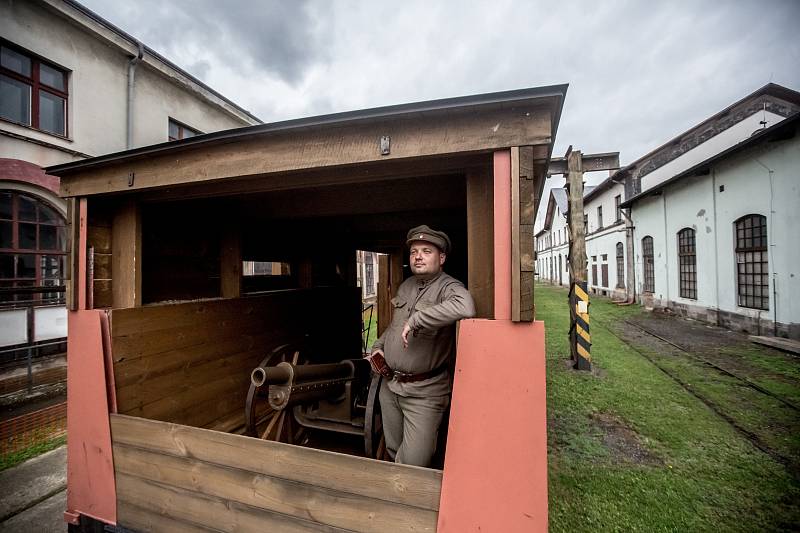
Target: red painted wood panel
{"x":495,"y":471}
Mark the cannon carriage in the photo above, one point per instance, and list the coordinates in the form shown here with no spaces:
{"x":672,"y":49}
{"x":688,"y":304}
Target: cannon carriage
{"x":290,"y":396}
{"x":192,"y":405}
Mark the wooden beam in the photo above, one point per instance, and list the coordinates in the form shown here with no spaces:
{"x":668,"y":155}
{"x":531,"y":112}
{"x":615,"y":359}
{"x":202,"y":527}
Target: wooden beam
{"x":523,"y":216}
{"x":589,"y":162}
{"x":364,"y":173}
{"x":126,"y":255}
{"x":577,"y":231}
{"x":515,"y":237}
{"x":527,"y":219}
{"x":320,"y":147}
{"x":73,"y":269}
{"x":480,"y":237}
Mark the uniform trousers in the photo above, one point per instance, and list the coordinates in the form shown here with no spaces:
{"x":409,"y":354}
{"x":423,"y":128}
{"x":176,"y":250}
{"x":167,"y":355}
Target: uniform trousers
{"x":411,"y":425}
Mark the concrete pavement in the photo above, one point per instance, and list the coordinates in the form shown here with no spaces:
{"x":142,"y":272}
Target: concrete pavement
{"x":33,"y":495}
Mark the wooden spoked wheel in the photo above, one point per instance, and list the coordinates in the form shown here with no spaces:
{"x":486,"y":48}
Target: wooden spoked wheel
{"x":374,"y":441}
{"x":260,"y":419}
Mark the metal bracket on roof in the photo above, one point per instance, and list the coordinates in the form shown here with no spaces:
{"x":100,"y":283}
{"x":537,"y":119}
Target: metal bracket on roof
{"x":385,"y":145}
{"x":131,"y":176}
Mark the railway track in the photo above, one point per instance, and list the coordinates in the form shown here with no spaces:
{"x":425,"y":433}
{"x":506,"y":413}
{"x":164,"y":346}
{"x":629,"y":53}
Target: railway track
{"x":747,"y":382}
{"x":753,"y":438}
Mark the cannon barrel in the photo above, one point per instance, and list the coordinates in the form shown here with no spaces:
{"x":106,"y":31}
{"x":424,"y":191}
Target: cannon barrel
{"x":283,"y":372}
{"x":294,"y":384}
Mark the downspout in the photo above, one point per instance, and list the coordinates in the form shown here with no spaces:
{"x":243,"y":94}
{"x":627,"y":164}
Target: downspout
{"x":716,"y":240}
{"x":666,"y":245}
{"x":630,"y":267}
{"x":131,"y":75}
{"x":770,"y":246}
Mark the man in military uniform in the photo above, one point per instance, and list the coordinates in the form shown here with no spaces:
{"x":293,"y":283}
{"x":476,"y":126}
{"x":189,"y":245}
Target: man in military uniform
{"x":414,"y":353}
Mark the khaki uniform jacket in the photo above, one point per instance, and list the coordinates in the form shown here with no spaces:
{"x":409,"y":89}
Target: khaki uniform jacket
{"x":431,"y":308}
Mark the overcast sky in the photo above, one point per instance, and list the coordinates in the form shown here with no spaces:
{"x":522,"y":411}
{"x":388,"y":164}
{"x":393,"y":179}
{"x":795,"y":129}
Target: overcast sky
{"x":639,"y":72}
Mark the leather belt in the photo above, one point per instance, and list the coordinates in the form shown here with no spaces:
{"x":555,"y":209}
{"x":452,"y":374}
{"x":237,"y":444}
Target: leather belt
{"x":386,"y":371}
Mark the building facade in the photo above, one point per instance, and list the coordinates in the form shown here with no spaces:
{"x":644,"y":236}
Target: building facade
{"x":74,"y":86}
{"x":718,"y":241}
{"x":552,"y":242}
{"x":702,"y":225}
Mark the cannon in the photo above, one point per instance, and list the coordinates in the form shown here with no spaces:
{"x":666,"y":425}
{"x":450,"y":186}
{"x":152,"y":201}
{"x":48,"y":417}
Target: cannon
{"x":289,"y":398}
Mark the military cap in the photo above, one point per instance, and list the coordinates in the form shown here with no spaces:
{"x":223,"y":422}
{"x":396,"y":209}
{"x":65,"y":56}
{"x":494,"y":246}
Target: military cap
{"x":424,"y":233}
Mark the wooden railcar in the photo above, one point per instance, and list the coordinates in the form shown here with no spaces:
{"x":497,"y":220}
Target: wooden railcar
{"x":164,"y":328}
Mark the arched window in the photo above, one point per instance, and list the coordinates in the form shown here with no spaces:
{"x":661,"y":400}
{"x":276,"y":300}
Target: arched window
{"x":32,"y":249}
{"x":687,"y":263}
{"x":620,"y":266}
{"x":648,"y":266}
{"x":752,"y":263}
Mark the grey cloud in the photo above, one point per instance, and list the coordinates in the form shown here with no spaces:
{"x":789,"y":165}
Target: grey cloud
{"x":283,"y":38}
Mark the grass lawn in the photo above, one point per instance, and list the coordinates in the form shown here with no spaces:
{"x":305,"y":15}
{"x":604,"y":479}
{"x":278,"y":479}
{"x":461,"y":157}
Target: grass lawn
{"x":631,"y":450}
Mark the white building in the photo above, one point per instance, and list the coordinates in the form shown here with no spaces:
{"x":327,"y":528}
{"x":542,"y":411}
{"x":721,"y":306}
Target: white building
{"x":552,"y":241}
{"x":718,"y":241}
{"x":606,"y":247}
{"x":73,"y":86}
{"x":665,"y":229}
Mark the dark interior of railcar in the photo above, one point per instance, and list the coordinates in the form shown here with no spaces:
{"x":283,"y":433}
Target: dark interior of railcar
{"x":187,"y":354}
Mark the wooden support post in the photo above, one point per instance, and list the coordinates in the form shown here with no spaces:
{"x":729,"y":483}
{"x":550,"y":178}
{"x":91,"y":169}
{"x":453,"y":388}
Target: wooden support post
{"x":579,"y":297}
{"x":230,"y":267}
{"x":73,"y":278}
{"x":480,"y":236}
{"x":523,"y":215}
{"x":384,"y":306}
{"x":126,"y":257}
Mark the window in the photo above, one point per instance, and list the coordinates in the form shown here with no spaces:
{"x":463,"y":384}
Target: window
{"x":599,"y":217}
{"x":649,"y":268}
{"x":179,"y":131}
{"x":620,"y":265}
{"x":687,"y":263}
{"x":752,"y":262}
{"x":585,"y":223}
{"x":369,"y":274}
{"x":32,"y":249}
{"x":617,"y":209}
{"x":265,"y":268}
{"x":32,"y":92}
{"x":560,"y":269}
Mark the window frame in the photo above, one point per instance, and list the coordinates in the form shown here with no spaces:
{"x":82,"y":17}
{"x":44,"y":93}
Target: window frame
{"x":37,"y":87}
{"x":687,"y":263}
{"x":620,"y":249}
{"x":182,"y":129}
{"x":617,"y":208}
{"x":741,"y":252}
{"x":648,"y":265}
{"x":599,"y":217}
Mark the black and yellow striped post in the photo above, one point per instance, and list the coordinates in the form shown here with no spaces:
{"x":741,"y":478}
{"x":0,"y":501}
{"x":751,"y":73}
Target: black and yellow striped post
{"x":579,"y":339}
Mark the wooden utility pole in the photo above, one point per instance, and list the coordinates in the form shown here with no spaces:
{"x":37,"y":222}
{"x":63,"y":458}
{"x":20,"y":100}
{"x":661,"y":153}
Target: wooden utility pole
{"x":580,"y":341}
{"x":573,"y":165}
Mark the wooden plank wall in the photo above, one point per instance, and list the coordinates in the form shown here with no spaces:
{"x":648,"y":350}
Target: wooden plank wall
{"x":190,"y":363}
{"x":480,"y":235}
{"x":179,"y":478}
